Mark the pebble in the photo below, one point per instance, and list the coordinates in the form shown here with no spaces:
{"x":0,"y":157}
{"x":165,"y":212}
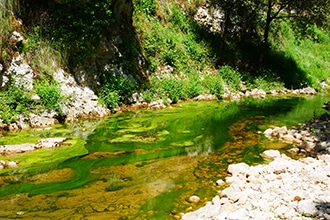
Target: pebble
{"x":194,"y":199}
{"x":283,"y":189}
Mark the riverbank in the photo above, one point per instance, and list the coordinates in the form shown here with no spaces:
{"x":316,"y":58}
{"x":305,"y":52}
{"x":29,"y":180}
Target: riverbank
{"x":283,"y":189}
{"x":85,"y":105}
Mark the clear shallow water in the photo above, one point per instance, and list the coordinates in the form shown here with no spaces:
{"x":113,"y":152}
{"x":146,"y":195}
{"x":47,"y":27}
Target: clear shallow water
{"x":144,"y":164}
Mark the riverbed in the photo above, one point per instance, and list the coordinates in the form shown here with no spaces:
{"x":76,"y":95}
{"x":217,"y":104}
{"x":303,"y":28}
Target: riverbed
{"x":143,"y":164}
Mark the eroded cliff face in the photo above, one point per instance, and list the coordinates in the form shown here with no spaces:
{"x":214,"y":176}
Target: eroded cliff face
{"x":79,"y":80}
{"x":119,"y":51}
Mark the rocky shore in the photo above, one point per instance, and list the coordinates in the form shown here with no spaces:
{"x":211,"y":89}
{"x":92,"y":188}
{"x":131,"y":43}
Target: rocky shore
{"x":283,"y":189}
{"x":82,"y":101}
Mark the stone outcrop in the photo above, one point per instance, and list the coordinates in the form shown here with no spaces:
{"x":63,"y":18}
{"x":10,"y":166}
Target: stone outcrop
{"x":210,"y":17}
{"x":83,"y":102}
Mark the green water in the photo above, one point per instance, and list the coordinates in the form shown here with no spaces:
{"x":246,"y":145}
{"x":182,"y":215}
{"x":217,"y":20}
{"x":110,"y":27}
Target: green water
{"x":143,"y":164}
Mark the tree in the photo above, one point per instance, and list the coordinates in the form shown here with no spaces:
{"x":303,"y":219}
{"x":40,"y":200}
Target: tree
{"x":300,"y":11}
{"x":239,"y":18}
{"x":252,"y":15}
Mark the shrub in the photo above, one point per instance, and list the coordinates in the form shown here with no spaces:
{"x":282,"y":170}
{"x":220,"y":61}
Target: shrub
{"x":50,"y":94}
{"x":116,"y":90}
{"x":231,"y":77}
{"x":214,"y":85}
{"x":13,"y":101}
{"x":171,"y":88}
{"x":109,"y":97}
{"x":192,"y":87}
{"x":149,"y":95}
{"x":146,"y":6}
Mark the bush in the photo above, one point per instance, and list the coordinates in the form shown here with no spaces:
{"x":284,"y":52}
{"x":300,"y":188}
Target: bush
{"x":192,"y":87}
{"x":13,"y":101}
{"x":231,"y":77}
{"x":214,"y":85}
{"x":116,"y":90}
{"x":109,"y":97}
{"x":171,"y":88}
{"x":146,"y":6}
{"x":50,"y":94}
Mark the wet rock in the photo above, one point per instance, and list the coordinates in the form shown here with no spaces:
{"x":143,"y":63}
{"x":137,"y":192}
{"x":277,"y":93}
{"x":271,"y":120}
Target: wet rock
{"x":50,"y":142}
{"x":194,"y":199}
{"x":271,"y":154}
{"x":12,"y":164}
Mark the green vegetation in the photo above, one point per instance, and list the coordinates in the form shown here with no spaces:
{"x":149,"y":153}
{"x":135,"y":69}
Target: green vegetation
{"x":50,"y":94}
{"x":13,"y":101}
{"x":115,"y":183}
{"x":265,"y":47}
{"x":115,"y":90}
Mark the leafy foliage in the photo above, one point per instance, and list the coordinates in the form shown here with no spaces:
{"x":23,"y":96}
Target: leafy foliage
{"x":116,"y":90}
{"x":214,"y":85}
{"x":146,"y":6}
{"x":50,"y":94}
{"x":231,"y":77}
{"x":80,"y":25}
{"x":13,"y":101}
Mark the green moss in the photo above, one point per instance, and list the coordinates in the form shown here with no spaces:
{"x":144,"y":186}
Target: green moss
{"x":42,"y":160}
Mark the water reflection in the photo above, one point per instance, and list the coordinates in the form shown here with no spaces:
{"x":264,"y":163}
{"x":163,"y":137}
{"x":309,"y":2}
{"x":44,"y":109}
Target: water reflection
{"x":144,"y":165}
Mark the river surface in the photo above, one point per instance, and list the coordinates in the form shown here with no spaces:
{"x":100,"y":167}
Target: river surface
{"x":143,"y":164}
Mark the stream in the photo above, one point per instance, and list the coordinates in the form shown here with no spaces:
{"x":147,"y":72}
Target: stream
{"x":143,"y":164}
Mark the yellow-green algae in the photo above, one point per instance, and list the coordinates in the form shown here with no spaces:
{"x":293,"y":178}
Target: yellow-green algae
{"x":151,"y":178}
{"x":40,"y":159}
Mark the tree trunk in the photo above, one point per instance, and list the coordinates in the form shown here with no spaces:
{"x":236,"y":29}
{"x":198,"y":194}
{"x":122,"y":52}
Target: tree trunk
{"x":266,"y":34}
{"x":225,"y":26}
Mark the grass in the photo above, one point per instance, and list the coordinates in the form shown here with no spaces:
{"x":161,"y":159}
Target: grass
{"x":43,"y":55}
{"x":310,"y":52}
{"x":168,"y":38}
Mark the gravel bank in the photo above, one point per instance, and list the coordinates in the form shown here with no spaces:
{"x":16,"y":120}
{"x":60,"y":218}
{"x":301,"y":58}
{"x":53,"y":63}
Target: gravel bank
{"x":283,"y":189}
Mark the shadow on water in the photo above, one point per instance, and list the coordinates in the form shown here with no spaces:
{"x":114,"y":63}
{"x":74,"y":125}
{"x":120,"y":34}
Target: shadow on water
{"x":177,"y":132}
{"x":168,"y":155}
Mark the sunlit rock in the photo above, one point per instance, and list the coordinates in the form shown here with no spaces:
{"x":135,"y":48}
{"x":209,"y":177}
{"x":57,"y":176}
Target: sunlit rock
{"x":194,"y":199}
{"x":47,"y":118}
{"x":271,"y":154}
{"x":307,"y":207}
{"x":50,"y":142}
{"x":12,"y":164}
{"x":220,"y":182}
